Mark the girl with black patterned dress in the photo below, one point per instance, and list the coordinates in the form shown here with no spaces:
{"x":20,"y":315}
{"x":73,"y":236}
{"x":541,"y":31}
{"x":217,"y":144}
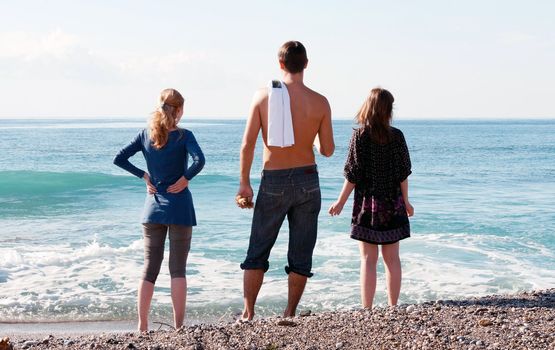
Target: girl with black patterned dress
{"x":377,"y":168}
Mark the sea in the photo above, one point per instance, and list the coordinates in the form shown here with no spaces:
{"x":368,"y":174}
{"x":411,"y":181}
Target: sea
{"x":71,"y":246}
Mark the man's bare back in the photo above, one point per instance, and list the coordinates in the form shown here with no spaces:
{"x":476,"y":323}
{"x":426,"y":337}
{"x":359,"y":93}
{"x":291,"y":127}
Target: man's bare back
{"x":309,"y":110}
{"x":311,"y":115}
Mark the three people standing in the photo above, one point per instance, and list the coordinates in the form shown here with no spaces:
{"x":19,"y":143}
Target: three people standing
{"x":377,"y":168}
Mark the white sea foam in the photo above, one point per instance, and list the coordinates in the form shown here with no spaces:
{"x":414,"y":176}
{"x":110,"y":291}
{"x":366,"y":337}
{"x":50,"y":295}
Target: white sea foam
{"x":97,"y":281}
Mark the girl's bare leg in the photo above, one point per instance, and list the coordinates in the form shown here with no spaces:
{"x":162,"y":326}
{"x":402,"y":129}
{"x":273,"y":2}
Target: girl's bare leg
{"x":390,"y":253}
{"x":368,"y":261}
{"x":146,"y":289}
{"x":179,"y":299}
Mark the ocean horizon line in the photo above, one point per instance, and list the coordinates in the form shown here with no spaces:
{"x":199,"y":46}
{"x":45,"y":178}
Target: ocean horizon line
{"x":198,"y":118}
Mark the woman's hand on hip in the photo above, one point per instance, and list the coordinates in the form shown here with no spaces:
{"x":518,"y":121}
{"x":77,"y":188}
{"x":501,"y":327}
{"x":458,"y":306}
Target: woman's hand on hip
{"x":149,"y":186}
{"x":179,"y":185}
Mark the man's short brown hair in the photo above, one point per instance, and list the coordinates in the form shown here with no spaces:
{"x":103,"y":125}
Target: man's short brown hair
{"x":293,"y":56}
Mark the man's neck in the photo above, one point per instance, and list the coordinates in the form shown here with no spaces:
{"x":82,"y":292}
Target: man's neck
{"x":296,"y":78}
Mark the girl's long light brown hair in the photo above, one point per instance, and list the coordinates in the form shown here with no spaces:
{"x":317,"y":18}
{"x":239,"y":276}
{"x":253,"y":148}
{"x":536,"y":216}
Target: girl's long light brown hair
{"x":376,"y":113}
{"x":164,"y":118}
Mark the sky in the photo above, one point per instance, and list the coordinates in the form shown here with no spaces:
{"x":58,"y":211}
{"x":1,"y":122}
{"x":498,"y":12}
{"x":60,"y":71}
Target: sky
{"x":440,"y":59}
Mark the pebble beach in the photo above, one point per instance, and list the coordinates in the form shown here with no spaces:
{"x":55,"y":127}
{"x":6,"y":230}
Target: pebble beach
{"x":518,"y":321}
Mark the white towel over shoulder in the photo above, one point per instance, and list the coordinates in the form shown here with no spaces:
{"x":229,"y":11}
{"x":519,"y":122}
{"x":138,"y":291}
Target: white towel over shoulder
{"x":280,"y":122}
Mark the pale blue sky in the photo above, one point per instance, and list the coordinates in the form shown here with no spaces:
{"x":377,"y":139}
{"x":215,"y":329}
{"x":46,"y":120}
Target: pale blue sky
{"x":440,"y":59}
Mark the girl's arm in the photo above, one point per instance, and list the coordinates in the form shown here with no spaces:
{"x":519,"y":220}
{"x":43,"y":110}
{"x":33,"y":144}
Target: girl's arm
{"x":122,"y":158}
{"x":337,"y":206}
{"x":193,"y":149}
{"x":352,"y":173}
{"x":196,"y":154}
{"x":405,"y":171}
{"x":405,"y":191}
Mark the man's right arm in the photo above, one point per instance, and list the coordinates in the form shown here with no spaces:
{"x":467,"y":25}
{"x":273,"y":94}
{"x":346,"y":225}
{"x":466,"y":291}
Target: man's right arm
{"x":247,"y":147}
{"x":326,"y":145}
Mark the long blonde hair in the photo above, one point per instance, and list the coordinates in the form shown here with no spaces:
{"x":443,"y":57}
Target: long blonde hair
{"x":376,"y":113}
{"x":164,"y":118}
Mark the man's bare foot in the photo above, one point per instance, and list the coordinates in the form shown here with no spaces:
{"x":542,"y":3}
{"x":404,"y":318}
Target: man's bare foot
{"x":289,"y":313}
{"x":245,"y":316}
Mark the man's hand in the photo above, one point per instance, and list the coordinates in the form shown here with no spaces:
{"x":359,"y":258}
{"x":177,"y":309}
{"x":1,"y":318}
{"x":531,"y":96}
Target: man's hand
{"x":179,"y":185}
{"x":149,"y":186}
{"x":245,"y":192}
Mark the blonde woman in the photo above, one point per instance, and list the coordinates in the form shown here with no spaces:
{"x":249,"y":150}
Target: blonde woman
{"x":169,"y":204}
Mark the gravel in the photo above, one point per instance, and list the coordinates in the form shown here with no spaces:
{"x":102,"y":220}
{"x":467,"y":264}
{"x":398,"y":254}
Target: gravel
{"x":519,"y":321}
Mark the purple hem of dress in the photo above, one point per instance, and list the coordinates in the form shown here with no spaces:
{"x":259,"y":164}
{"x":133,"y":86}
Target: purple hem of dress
{"x":380,"y":237}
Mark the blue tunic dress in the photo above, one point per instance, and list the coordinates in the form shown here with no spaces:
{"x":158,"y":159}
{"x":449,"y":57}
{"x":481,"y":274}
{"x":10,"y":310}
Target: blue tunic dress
{"x":165,"y":167}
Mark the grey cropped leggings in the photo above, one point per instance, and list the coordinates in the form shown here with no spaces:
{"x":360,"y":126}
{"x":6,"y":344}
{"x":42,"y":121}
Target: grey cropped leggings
{"x":180,"y":243}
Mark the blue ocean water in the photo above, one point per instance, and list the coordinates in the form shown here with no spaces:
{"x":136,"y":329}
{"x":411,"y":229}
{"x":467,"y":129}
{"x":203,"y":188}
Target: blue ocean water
{"x":70,"y":237}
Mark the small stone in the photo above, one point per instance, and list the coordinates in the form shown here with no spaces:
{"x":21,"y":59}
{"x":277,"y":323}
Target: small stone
{"x":479,"y":343}
{"x":339,"y":345}
{"x":305,"y":313}
{"x":410,"y":308}
{"x":27,"y":344}
{"x":68,"y":342}
{"x":286,"y":323}
{"x":485,"y":322}
{"x":131,"y":346}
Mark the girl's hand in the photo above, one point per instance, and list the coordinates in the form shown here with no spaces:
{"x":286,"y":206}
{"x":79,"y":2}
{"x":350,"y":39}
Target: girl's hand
{"x":149,"y":186}
{"x":410,"y":209}
{"x":179,"y":185}
{"x":336,"y":208}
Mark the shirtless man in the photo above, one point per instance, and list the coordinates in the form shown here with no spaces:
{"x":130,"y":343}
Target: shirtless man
{"x":289,"y":186}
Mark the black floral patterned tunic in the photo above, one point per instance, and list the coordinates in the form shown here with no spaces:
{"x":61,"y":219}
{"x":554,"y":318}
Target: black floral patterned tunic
{"x":377,"y":170}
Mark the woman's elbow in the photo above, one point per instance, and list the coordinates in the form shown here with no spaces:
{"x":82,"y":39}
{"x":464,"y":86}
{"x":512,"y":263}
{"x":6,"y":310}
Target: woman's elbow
{"x":117,"y":160}
{"x":201,"y":161}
